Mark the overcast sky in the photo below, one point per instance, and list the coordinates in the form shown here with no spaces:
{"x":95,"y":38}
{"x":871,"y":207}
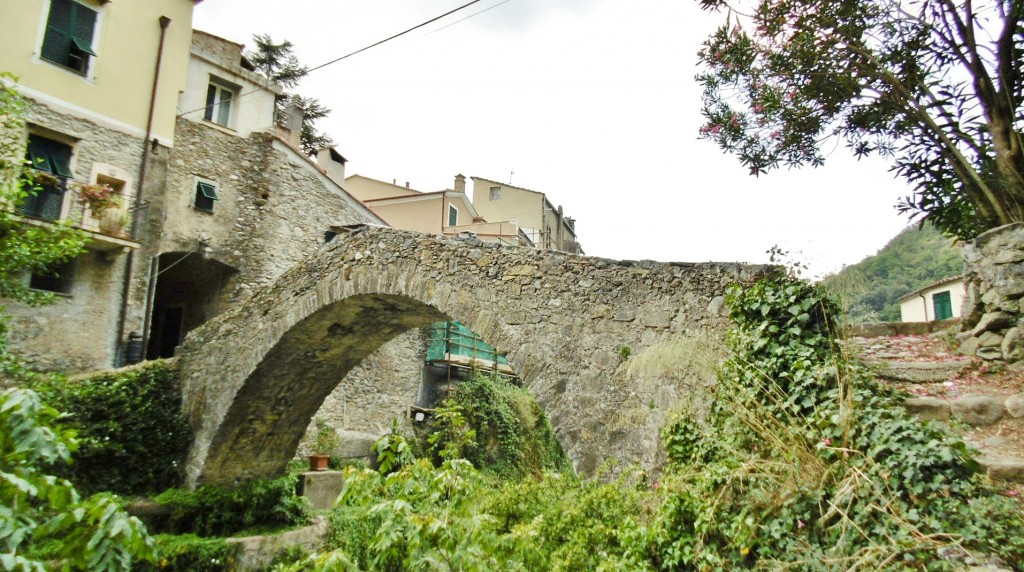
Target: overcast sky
{"x":592,"y":102}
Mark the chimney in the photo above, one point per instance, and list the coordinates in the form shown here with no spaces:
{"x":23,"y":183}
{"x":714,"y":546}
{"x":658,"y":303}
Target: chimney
{"x":293,"y":123}
{"x":407,"y":184}
{"x":333,"y":163}
{"x":460,"y":184}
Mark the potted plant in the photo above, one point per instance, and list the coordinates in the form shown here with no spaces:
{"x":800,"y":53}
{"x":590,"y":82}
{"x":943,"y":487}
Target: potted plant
{"x":325,"y":441}
{"x":113,"y":219}
{"x":99,"y":198}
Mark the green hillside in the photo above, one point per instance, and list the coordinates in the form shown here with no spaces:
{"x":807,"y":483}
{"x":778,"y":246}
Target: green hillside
{"x":914,"y":258}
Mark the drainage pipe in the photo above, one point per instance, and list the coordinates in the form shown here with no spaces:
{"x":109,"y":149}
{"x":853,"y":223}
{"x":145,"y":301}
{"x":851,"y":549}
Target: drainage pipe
{"x":126,"y":282}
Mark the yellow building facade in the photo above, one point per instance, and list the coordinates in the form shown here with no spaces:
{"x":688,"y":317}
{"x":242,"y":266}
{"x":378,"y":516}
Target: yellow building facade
{"x":97,"y":59}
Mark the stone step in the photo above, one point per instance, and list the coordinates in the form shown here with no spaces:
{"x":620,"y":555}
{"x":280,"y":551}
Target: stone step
{"x":917,"y":371}
{"x":975,"y":410}
{"x":1003,"y":469}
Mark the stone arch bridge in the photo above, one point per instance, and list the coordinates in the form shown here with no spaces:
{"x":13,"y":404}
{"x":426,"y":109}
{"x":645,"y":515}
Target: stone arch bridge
{"x":572,"y":326}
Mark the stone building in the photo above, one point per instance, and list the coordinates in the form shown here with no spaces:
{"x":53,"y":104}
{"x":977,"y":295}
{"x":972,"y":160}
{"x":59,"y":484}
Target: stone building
{"x":215,"y":199}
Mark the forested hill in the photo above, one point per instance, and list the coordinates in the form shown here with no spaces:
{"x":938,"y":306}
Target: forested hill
{"x":913,"y":259}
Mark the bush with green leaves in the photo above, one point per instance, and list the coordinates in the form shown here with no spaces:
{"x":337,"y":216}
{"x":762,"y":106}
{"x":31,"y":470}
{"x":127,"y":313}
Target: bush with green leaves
{"x":221,"y":511}
{"x":499,"y":427}
{"x":809,"y":463}
{"x":190,"y":553}
{"x":42,"y":518}
{"x":133,"y":434}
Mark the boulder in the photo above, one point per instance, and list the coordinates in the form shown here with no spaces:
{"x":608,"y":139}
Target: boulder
{"x":992,"y":322}
{"x":978,"y":410}
{"x":1015,"y":406}
{"x":928,"y":408}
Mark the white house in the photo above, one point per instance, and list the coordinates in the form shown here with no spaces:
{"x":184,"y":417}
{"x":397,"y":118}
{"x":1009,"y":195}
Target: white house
{"x":937,"y":301}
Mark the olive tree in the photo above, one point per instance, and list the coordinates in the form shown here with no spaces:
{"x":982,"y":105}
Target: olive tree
{"x":934,"y":86}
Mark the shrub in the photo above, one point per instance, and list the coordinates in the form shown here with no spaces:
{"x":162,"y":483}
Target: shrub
{"x":189,"y":553}
{"x":133,"y":434}
{"x":216,"y":511}
{"x":505,"y":432}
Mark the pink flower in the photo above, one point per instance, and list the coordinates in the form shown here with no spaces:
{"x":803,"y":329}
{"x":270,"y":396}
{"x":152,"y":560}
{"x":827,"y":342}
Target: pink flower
{"x":1012,"y":493}
{"x":758,"y":108}
{"x":827,"y":442}
{"x":791,"y":95}
{"x":774,"y":134}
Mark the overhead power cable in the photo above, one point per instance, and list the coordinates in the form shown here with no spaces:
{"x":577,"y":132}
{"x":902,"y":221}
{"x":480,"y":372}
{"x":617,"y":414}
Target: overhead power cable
{"x":360,"y":50}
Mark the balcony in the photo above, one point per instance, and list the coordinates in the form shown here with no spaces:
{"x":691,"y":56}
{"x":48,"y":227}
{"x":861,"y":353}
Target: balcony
{"x":109,"y":232}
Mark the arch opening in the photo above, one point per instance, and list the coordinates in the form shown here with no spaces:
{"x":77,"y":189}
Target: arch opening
{"x":272,"y":410}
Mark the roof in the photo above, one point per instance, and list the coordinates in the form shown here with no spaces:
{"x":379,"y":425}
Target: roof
{"x":935,"y":284}
{"x":505,"y":185}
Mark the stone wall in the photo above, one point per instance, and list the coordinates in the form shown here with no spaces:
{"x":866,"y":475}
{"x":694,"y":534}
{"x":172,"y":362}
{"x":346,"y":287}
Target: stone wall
{"x":563,"y":321}
{"x":78,"y":331}
{"x":378,"y":390}
{"x":994,"y":274}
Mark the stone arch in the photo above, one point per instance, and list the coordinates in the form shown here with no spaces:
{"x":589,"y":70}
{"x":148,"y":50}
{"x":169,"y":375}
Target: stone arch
{"x":253,"y":377}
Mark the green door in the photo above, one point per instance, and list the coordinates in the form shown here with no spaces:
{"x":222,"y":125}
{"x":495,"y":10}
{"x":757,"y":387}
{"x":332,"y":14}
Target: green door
{"x":943,"y":305}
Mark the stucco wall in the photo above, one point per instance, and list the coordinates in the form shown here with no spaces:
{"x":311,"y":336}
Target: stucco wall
{"x":221,"y":59}
{"x":126,"y":38}
{"x":522,"y":205}
{"x":365,"y":188}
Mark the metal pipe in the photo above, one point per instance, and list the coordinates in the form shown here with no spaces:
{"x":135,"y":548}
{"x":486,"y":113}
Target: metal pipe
{"x":127,"y":280}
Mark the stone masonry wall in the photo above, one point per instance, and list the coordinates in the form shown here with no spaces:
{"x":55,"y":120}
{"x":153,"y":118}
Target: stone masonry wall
{"x":273,"y":210}
{"x":994,"y":274}
{"x":78,"y":332}
{"x":378,"y":390}
{"x":563,"y":321}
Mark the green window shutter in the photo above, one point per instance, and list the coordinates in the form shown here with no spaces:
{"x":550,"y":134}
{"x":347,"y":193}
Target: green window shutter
{"x":943,"y":305}
{"x":69,"y":35}
{"x":82,"y":28}
{"x":453,"y":216}
{"x":57,"y":42}
{"x":208,"y":191}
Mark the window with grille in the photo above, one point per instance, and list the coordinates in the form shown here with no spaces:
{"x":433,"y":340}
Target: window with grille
{"x":69,"y":35}
{"x":51,"y":161}
{"x":219,"y":98}
{"x":206,"y":195}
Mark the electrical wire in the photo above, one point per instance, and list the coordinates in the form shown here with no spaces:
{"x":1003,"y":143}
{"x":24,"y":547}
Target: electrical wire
{"x":360,"y":50}
{"x":446,"y":26}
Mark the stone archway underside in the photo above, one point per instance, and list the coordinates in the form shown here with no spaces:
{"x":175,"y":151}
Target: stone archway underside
{"x":253,"y":377}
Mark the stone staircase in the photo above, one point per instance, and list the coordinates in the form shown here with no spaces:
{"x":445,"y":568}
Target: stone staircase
{"x":987,"y":401}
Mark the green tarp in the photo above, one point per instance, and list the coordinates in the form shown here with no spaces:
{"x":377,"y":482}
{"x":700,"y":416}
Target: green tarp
{"x":454,"y":338}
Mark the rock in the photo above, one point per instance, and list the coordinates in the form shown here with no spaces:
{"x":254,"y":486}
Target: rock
{"x":969,"y":346}
{"x":1013,"y":345}
{"x":917,"y":371}
{"x":990,"y":340}
{"x":990,"y":353}
{"x":1003,"y":469}
{"x":1015,"y":406}
{"x":978,"y":410}
{"x":928,"y":408}
{"x":992,"y":321}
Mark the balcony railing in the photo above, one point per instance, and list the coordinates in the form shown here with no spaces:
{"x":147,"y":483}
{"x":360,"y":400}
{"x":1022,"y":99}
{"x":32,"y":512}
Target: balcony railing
{"x":107,"y":230}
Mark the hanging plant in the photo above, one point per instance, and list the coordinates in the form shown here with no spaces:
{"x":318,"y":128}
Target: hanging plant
{"x":99,"y":197}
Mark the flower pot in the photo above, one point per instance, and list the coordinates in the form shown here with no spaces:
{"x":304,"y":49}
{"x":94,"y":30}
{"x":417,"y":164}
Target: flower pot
{"x":318,"y":462}
{"x":111,"y":221}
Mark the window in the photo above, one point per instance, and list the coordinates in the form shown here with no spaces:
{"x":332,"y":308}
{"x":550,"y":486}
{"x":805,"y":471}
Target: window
{"x":453,"y":216}
{"x":52,"y":161}
{"x":69,"y":31}
{"x":943,"y":305}
{"x":495,"y":193}
{"x":57,"y":279}
{"x":206,"y":193}
{"x":218,"y":103}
